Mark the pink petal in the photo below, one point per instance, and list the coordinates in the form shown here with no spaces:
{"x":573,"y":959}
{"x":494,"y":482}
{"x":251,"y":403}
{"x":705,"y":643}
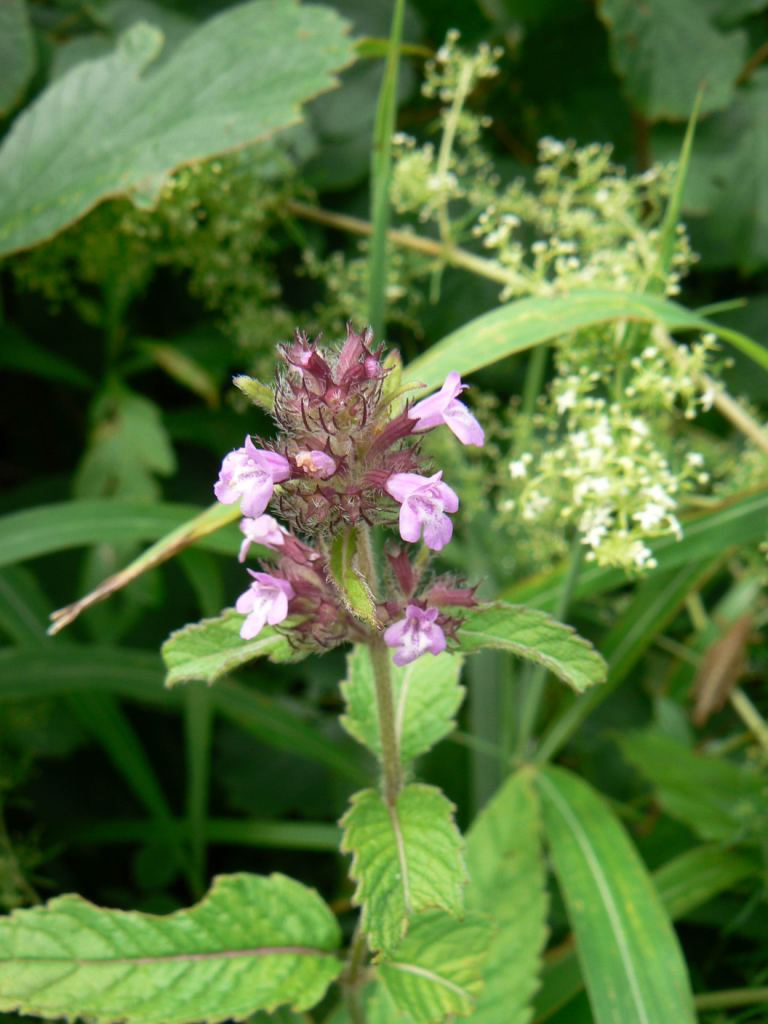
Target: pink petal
{"x":400,"y":485}
{"x":256,"y":498}
{"x":436,"y":637}
{"x":254,"y":624}
{"x":448,"y":497}
{"x":278,"y":609}
{"x":463,"y":424}
{"x":438,"y":530}
{"x":410,"y":523}
{"x":244,"y":603}
{"x":393,"y":634}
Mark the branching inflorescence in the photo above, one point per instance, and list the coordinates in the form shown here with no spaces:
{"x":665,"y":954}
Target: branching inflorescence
{"x":346,"y":458}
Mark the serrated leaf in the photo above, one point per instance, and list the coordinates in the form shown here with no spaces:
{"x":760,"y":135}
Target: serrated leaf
{"x":18,"y":57}
{"x":646,"y":43}
{"x":435,"y":972}
{"x":253,"y":943}
{"x":426,"y":695}
{"x":630,"y":958}
{"x":405,"y":859}
{"x":344,"y":569}
{"x":507,"y":881}
{"x":716,"y":798}
{"x":534,"y":635}
{"x":212,"y":648}
{"x":66,"y":140}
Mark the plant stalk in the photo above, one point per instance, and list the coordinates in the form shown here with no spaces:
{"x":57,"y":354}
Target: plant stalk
{"x":392,"y":778}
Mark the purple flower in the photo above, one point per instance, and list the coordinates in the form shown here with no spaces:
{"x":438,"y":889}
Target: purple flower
{"x":264,"y":530}
{"x":444,"y":407}
{"x":424,"y":500}
{"x":316,"y":464}
{"x":414,"y":635}
{"x":265,"y":601}
{"x":250,"y":474}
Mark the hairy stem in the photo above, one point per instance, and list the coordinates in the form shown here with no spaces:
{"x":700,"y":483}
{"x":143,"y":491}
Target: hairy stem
{"x":353,"y":975}
{"x":390,"y":754}
{"x":446,"y":148}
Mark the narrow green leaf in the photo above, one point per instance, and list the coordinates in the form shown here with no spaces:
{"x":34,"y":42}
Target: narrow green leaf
{"x":349,"y":581}
{"x":381,"y":168}
{"x":212,"y":648}
{"x":192,"y":531}
{"x":435,"y":973}
{"x":691,"y":879}
{"x":427,"y":697}
{"x":18,"y":57}
{"x":160,"y":129}
{"x":522,"y":324}
{"x":20,"y":353}
{"x":28,"y":674}
{"x":739,"y":520}
{"x":72,"y":524}
{"x":718,"y":799}
{"x":183,"y":369}
{"x":533,"y":635}
{"x":278,"y":835}
{"x":683,"y":884}
{"x":253,"y":943}
{"x":405,"y":859}
{"x":652,"y":607}
{"x":507,"y":881}
{"x":629,"y":954}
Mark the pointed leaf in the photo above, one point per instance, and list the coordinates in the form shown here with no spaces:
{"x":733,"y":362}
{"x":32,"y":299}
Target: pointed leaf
{"x":253,"y":943}
{"x":630,"y":958}
{"x":532,"y":634}
{"x":66,"y":142}
{"x":347,"y":578}
{"x":405,"y":859}
{"x":427,"y":696}
{"x":507,"y":881}
{"x":435,"y":973}
{"x":212,"y":648}
{"x":258,"y":393}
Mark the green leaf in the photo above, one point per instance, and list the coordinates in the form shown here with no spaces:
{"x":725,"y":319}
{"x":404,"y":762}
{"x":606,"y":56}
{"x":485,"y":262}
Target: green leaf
{"x":191,"y":531}
{"x":435,"y":972}
{"x":405,"y":859}
{"x":71,"y":524}
{"x":738,"y":521}
{"x":523,"y":324}
{"x":212,"y":648}
{"x":21,"y":354}
{"x":507,"y":881}
{"x":183,"y":369}
{"x":426,"y":694}
{"x":716,"y":798}
{"x":160,"y":130}
{"x":18,"y":57}
{"x":32,"y":673}
{"x":728,"y":180}
{"x":347,"y":577}
{"x":258,"y":393}
{"x":532,"y":634}
{"x":683,"y":884}
{"x":666,"y":50}
{"x":253,"y":943}
{"x":128,"y":446}
{"x":629,"y":954}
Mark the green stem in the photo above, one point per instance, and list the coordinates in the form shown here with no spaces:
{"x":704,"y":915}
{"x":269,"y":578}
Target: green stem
{"x":750,"y":716}
{"x":534,"y":686}
{"x":731,"y":997}
{"x":353,"y":974}
{"x":392,"y":779}
{"x":381,"y":166}
{"x":197,"y":721}
{"x":446,"y":147}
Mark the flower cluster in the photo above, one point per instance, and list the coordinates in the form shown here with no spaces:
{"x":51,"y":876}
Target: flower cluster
{"x":347,"y":457}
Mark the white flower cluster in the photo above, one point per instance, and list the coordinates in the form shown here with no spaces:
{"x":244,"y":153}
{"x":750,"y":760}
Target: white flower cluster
{"x":606,"y":478}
